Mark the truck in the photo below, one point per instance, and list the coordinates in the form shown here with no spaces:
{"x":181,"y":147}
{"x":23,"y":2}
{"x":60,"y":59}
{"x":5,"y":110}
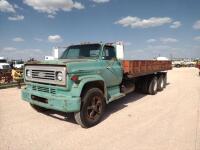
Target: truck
{"x":198,"y":66}
{"x":5,"y":71}
{"x":88,"y":76}
{"x":18,"y":64}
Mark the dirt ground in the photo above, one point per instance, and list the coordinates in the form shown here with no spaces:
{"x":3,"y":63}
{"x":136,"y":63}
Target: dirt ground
{"x":169,"y":120}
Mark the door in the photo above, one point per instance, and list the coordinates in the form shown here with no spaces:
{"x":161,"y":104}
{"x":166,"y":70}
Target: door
{"x":112,"y":70}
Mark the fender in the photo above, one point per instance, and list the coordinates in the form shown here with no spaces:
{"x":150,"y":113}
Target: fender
{"x":77,"y":88}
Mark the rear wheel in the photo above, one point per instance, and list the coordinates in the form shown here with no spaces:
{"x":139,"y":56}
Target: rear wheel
{"x":160,"y":83}
{"x":92,"y":109}
{"x":165,"y":80}
{"x":145,"y":85}
{"x":38,"y":108}
{"x":153,"y":86}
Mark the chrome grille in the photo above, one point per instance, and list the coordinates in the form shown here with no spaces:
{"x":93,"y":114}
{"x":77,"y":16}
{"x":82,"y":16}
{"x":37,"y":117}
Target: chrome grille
{"x":45,"y":74}
{"x":44,"y":89}
{"x":41,"y":74}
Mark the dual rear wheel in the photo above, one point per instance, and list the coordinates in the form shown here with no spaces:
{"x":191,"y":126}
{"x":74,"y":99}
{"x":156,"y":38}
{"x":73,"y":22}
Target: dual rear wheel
{"x":151,"y":85}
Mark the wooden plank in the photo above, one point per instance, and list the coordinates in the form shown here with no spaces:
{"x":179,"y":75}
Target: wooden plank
{"x":144,"y":67}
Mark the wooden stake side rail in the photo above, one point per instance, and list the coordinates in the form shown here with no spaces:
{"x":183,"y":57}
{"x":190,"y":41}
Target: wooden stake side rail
{"x":144,"y":67}
{"x":198,"y":65}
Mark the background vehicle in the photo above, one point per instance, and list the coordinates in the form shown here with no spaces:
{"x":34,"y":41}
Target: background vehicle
{"x":5,"y":71}
{"x":19,"y":64}
{"x":89,"y":76}
{"x":198,"y":66}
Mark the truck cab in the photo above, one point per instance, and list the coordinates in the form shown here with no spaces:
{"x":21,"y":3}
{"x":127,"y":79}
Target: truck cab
{"x":18,"y":64}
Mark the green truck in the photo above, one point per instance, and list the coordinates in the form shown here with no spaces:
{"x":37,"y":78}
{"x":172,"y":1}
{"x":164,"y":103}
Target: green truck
{"x":87,"y":77}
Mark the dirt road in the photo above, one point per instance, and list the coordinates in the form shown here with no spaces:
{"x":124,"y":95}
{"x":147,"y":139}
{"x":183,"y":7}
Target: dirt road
{"x":169,"y":120}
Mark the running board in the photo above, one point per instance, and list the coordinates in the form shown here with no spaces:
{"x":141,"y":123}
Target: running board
{"x":116,"y":96}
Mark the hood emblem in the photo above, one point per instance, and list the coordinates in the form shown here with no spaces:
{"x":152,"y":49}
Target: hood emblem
{"x":41,"y":75}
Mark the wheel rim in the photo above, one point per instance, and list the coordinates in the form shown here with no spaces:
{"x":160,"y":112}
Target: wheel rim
{"x":155,"y":86}
{"x":162,"y":83}
{"x":94,"y":109}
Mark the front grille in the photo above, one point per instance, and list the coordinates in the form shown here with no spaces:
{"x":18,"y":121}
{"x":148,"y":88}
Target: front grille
{"x":42,"y":74}
{"x":44,"y":89}
{"x":45,"y":74}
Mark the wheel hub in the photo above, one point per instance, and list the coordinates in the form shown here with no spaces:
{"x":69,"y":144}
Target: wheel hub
{"x":95,"y":108}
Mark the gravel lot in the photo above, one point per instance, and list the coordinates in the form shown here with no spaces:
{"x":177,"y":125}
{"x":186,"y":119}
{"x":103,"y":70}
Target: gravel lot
{"x":169,"y":120}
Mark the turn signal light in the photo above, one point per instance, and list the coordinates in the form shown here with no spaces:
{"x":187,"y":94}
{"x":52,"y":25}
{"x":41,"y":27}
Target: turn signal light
{"x":75,"y":78}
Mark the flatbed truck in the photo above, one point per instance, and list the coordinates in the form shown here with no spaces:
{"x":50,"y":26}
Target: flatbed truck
{"x":87,"y":77}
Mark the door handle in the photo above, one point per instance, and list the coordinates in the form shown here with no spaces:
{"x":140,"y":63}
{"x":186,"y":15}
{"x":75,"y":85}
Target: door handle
{"x":108,"y":67}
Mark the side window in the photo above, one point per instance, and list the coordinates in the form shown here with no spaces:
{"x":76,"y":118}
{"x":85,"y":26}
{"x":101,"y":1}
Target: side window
{"x":109,"y":52}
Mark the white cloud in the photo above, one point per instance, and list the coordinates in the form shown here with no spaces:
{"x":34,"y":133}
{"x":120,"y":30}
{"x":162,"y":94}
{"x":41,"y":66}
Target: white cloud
{"x":15,"y":53}
{"x":197,"y":38}
{"x":16,"y":18}
{"x":151,"y":40}
{"x":51,"y":16}
{"x":78,"y":5}
{"x":135,"y":22}
{"x":38,"y":39}
{"x":100,"y":1}
{"x":9,"y":49}
{"x":197,"y":25}
{"x":5,"y":6}
{"x":158,"y":47}
{"x":127,"y":43}
{"x":51,"y":7}
{"x":175,"y":25}
{"x":168,"y":40}
{"x":17,"y":7}
{"x":18,"y":39}
{"x":55,"y":38}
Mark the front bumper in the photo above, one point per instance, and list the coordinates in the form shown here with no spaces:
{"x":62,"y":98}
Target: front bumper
{"x":64,"y":102}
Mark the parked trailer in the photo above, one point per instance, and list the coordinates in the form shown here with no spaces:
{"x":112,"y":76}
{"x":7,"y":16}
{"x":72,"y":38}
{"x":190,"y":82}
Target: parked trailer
{"x":89,"y":76}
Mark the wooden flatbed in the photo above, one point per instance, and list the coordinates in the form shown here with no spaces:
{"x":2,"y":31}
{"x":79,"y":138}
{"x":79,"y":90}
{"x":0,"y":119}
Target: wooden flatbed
{"x":137,"y":68}
{"x":198,"y":65}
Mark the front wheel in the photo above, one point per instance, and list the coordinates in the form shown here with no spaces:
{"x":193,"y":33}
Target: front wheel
{"x":92,"y":109}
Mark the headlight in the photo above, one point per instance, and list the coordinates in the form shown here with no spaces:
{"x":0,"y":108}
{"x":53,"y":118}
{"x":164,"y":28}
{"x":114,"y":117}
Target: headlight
{"x":28,"y":73}
{"x":59,"y":76}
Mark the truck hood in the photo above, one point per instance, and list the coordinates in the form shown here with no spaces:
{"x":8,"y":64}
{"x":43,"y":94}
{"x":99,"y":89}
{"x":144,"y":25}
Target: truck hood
{"x":61,"y":61}
{"x":73,"y":65}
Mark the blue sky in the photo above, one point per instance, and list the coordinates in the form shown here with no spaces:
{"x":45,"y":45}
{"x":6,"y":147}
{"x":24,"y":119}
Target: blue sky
{"x":30,"y":28}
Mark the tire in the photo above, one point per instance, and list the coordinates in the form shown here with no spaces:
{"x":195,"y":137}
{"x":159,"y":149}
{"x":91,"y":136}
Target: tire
{"x":153,"y":86}
{"x":38,"y":108}
{"x":92,"y":109}
{"x":145,"y":86}
{"x":161,"y":83}
{"x":165,"y":80}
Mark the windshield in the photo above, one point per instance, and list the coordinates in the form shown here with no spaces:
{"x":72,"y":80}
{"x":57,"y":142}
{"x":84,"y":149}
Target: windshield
{"x":3,"y":61}
{"x":90,"y":51}
{"x":5,"y":67}
{"x":19,"y":62}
